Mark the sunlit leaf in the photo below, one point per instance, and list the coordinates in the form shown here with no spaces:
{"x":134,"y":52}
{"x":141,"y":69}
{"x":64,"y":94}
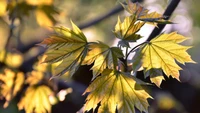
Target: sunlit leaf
{"x":12,"y":83}
{"x":135,"y":8}
{"x":103,"y":57}
{"x":115,"y":90}
{"x":68,"y":46}
{"x":127,"y":30}
{"x":156,"y":76}
{"x":162,"y":51}
{"x":39,"y":102}
{"x":144,"y":15}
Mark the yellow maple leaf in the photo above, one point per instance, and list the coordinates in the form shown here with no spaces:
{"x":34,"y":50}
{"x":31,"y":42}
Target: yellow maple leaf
{"x":103,"y":57}
{"x":144,"y":15}
{"x":68,"y":46}
{"x":39,"y":102}
{"x":116,"y":90}
{"x":12,"y":83}
{"x":128,"y":29}
{"x":162,"y":51}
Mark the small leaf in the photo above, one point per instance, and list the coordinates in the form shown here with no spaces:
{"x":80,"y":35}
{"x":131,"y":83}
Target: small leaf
{"x":128,"y":29}
{"x":103,"y":56}
{"x":156,"y":76}
{"x":68,"y":46}
{"x":115,"y":90}
{"x":162,"y":51}
{"x":39,"y":103}
{"x":143,"y":14}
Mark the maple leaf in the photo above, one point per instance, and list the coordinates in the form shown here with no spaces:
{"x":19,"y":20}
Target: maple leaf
{"x":103,"y":56}
{"x":68,"y":46}
{"x":39,"y":103}
{"x":127,"y":30}
{"x":116,"y":90}
{"x":143,"y":14}
{"x":161,"y":53}
{"x":12,"y":83}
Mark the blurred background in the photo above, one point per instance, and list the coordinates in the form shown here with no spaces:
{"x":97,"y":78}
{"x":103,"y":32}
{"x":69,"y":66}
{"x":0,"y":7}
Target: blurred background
{"x":25,"y":23}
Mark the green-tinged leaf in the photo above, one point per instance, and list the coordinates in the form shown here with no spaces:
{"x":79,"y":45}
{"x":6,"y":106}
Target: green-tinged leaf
{"x":154,"y":18}
{"x":156,"y":76}
{"x":135,"y":8}
{"x":103,"y":56}
{"x":39,"y":102}
{"x":137,"y":60}
{"x":162,"y":51}
{"x":128,"y":29}
{"x":115,"y":90}
{"x":68,"y":46}
{"x":12,"y":83}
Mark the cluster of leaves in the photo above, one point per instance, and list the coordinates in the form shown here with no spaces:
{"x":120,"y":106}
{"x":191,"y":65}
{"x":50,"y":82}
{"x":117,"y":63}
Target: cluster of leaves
{"x":113,"y":85}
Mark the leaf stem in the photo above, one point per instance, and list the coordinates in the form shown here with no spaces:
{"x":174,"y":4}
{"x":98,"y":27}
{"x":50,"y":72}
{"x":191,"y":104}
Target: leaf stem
{"x":134,"y":49}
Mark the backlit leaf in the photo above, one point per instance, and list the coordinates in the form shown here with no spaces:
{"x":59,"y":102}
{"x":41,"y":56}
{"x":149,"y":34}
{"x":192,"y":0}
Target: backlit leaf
{"x":68,"y":46}
{"x":127,"y":30}
{"x":115,"y":90}
{"x":144,"y":15}
{"x":156,"y":76}
{"x":12,"y":83}
{"x":39,"y":102}
{"x":103,"y":56}
{"x":162,"y":51}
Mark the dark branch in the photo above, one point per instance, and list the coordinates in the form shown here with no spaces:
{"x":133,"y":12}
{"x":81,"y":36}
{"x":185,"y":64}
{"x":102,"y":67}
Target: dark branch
{"x":168,"y":12}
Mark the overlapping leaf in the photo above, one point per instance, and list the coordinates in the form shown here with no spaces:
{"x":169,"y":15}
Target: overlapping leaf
{"x":68,"y":46}
{"x":12,"y":83}
{"x":127,"y":30}
{"x":103,"y":56}
{"x":115,"y":90}
{"x":143,"y":14}
{"x":39,"y":102}
{"x":161,"y":53}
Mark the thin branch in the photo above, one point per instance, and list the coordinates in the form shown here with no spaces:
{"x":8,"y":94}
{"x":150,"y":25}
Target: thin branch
{"x":168,"y":12}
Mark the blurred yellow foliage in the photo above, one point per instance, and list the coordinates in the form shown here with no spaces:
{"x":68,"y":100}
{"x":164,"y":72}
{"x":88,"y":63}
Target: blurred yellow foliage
{"x":13,"y":60}
{"x":39,"y":2}
{"x":43,"y":19}
{"x":12,"y":83}
{"x":3,"y":5}
{"x":40,"y":102}
{"x":34,"y":77}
